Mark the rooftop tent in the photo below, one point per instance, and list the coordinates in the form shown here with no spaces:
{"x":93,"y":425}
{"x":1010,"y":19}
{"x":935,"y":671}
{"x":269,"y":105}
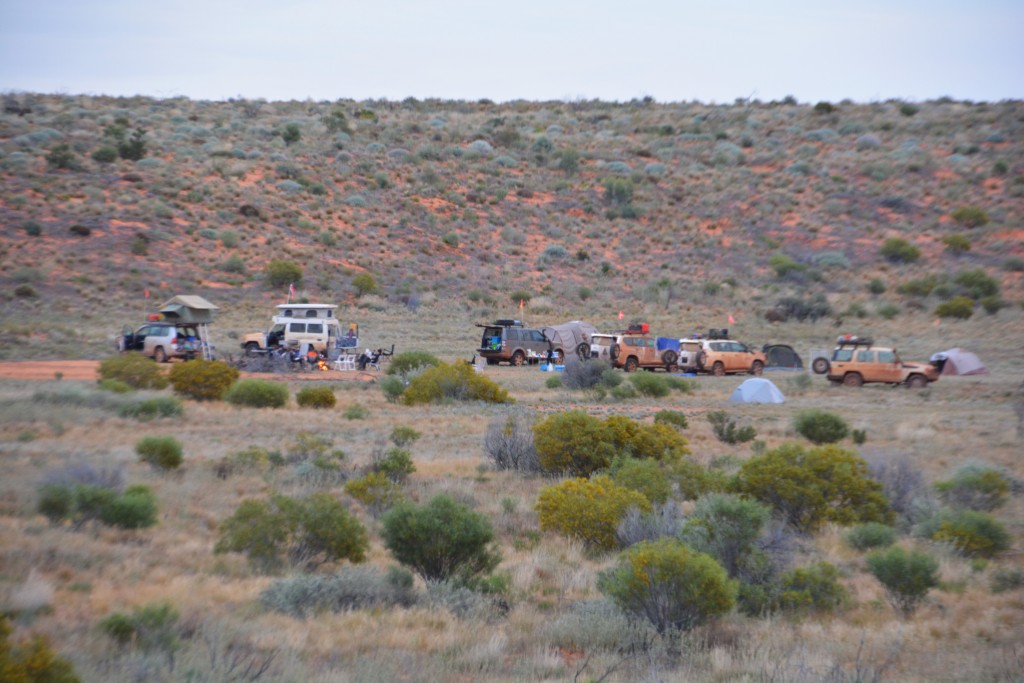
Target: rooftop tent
{"x":757,"y":390}
{"x":782,"y":356}
{"x":188,"y":308}
{"x":961,"y":362}
{"x":570,"y":335}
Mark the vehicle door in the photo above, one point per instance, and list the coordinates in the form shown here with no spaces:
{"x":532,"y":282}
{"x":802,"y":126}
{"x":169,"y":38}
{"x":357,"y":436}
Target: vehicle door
{"x":157,"y":335}
{"x":889,"y":367}
{"x":866,"y":363}
{"x":316,"y":334}
{"x":650,"y":356}
{"x":740,"y":357}
{"x":136,"y":340}
{"x":718,"y":353}
{"x":491,"y":339}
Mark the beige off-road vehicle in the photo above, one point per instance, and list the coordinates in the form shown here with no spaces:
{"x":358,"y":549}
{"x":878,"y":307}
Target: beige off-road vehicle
{"x":719,"y":355}
{"x":856,"y":361}
{"x":296,"y":325}
{"x":632,"y":350}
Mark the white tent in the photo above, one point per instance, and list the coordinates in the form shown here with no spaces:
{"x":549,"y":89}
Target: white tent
{"x":757,"y":390}
{"x":961,"y":362}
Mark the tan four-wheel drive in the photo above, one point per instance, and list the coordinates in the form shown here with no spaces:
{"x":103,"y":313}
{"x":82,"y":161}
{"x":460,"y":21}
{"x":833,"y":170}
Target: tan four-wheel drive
{"x":857,"y":361}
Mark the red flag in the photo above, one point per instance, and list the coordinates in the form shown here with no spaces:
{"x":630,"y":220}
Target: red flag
{"x":621,"y":315}
{"x":147,"y":294}
{"x":731,"y":319}
{"x":521,"y":302}
{"x":291,"y":291}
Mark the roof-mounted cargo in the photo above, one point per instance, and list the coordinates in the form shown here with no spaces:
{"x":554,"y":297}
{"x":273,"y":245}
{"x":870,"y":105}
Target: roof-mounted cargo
{"x":854,"y":340}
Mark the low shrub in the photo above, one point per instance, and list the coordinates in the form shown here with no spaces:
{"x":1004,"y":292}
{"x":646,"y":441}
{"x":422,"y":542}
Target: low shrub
{"x":393,"y":388}
{"x":160,"y":452}
{"x":252,"y":459}
{"x":316,"y":397}
{"x":583,"y":375}
{"x":356,"y":411}
{"x":959,"y":307}
{"x":671,"y":417}
{"x":727,"y":430}
{"x":970,"y":216}
{"x":257,"y":393}
{"x":975,"y":486}
{"x":133,"y":369}
{"x":588,"y":510}
{"x":136,"y":508}
{"x":1007,"y":579}
{"x":153,"y":408}
{"x":899,"y":250}
{"x":815,"y":588}
{"x":403,"y":435}
{"x":396,"y":465}
{"x":650,"y":384}
{"x":553,"y":382}
{"x":115,"y":386}
{"x":403,"y":364}
{"x":79,"y":504}
{"x":151,"y":628}
{"x":871,"y":535}
{"x":375,"y":492}
{"x":508,"y":442}
{"x":906,"y":576}
{"x":642,"y":475}
{"x":203,"y":380}
{"x":32,"y":660}
{"x":458,"y":382}
{"x":971,"y":533}
{"x":351,"y":588}
{"x":820,"y":427}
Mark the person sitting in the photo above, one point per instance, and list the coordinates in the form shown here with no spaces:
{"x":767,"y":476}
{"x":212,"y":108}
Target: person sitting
{"x":363,"y":359}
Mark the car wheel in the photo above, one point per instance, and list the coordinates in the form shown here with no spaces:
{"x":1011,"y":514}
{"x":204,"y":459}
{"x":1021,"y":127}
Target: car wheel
{"x":251,"y":348}
{"x":159,"y":355}
{"x":669,"y":357}
{"x":718,"y":369}
{"x":613,"y":352}
{"x":917,"y":382}
{"x":820,"y":366}
{"x":853,"y":379}
{"x":518,"y":358}
{"x":631,"y":364}
{"x":757,"y":368}
{"x":583,"y":352}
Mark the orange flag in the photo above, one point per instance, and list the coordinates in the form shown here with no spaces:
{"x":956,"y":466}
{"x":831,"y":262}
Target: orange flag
{"x":731,"y":319}
{"x":621,"y":315}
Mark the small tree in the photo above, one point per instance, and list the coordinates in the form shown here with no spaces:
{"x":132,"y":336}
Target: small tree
{"x":134,"y":148}
{"x":588,"y":510}
{"x":441,"y":540}
{"x":820,"y":426}
{"x":291,"y":133}
{"x":906,"y":577}
{"x":364,"y":284}
{"x":61,"y":157}
{"x":670,"y":585}
{"x":899,"y":250}
{"x":811,"y":487}
{"x":281,"y":273}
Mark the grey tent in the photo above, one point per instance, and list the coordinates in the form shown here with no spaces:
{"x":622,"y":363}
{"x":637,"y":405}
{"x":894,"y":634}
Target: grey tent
{"x":757,"y":390}
{"x":960,"y":362}
{"x":188,"y":308}
{"x":781,"y":357}
{"x":569,"y":337}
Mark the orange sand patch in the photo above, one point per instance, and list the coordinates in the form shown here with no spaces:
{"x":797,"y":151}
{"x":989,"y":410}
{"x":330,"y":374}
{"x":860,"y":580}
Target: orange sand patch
{"x":40,"y":370}
{"x":114,"y":223}
{"x":791,"y":220}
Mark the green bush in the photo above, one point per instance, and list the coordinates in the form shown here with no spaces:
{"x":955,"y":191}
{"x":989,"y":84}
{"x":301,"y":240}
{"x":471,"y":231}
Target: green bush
{"x":403,"y":435}
{"x":32,"y":660}
{"x":458,"y":382}
{"x":726,"y":527}
{"x":203,"y":380}
{"x":133,"y":369}
{"x":356,"y":411}
{"x":820,"y":427}
{"x":291,"y":133}
{"x":393,"y":388}
{"x":899,"y":250}
{"x":727,"y":430}
{"x":876,"y":286}
{"x":960,"y":307}
{"x":694,"y":480}
{"x":809,"y":487}
{"x":578,"y":444}
{"x":375,"y":492}
{"x":105,"y":155}
{"x":364,"y":284}
{"x":992,"y":304}
{"x":957,"y":244}
{"x":644,"y":475}
{"x":115,"y":386}
{"x":922,"y":286}
{"x":307,"y":531}
{"x":257,"y":393}
{"x":971,"y":533}
{"x":136,"y":508}
{"x":396,"y":465}
{"x":671,"y":417}
{"x":282,"y":273}
{"x":316,"y":397}
{"x":669,"y":585}
{"x":409,"y":361}
{"x":588,"y":510}
{"x":975,"y":486}
{"x":906,"y":577}
{"x":151,"y":628}
{"x":351,"y":588}
{"x":153,"y":408}
{"x":970,"y":216}
{"x":1007,"y":579}
{"x":870,"y":535}
{"x":553,"y":382}
{"x":815,"y":588}
{"x":440,"y":541}
{"x":650,"y":384}
{"x":978,"y":283}
{"x":160,"y":452}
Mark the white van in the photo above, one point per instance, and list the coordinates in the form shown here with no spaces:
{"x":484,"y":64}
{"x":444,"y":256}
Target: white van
{"x":298,"y":324}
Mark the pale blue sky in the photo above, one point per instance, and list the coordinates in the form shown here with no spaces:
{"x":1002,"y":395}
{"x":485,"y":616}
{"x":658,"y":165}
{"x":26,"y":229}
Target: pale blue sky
{"x":711,"y":51}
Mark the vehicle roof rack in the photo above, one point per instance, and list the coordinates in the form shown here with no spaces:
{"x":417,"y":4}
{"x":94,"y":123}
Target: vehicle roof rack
{"x":508,"y":322}
{"x":854,"y":340}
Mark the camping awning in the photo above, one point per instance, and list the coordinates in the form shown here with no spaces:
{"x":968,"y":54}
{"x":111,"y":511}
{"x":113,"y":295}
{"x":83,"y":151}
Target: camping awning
{"x":188,"y":308}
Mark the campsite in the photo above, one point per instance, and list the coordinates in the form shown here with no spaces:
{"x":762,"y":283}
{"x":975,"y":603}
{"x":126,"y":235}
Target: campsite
{"x":787,"y":223}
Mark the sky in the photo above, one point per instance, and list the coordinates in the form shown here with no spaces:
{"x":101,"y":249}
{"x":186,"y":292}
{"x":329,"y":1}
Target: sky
{"x":714,"y":51}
